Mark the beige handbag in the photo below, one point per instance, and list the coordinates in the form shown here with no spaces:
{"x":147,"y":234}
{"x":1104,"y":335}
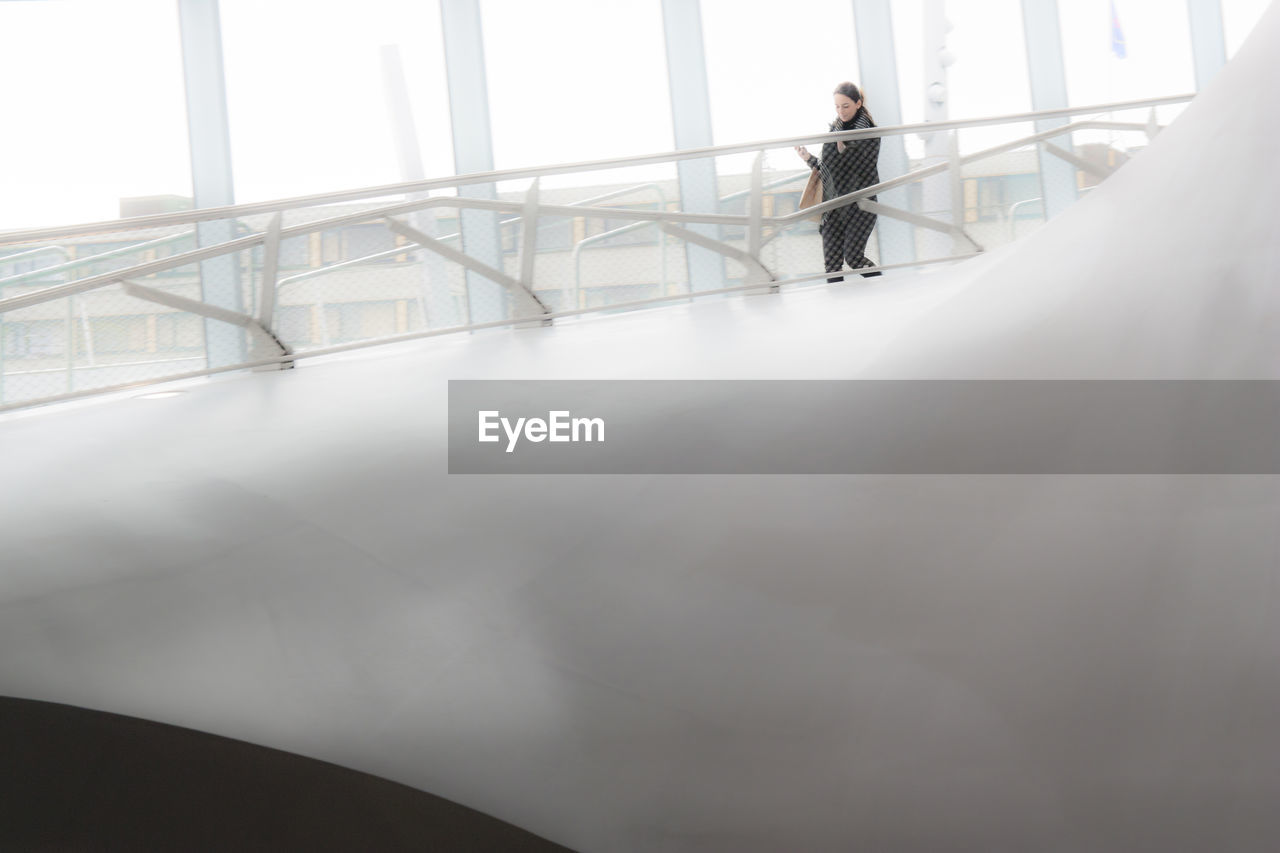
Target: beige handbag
{"x":812,"y":192}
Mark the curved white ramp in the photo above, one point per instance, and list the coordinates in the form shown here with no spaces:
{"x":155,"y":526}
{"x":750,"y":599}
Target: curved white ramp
{"x":1168,"y":270}
{"x":707,"y":663}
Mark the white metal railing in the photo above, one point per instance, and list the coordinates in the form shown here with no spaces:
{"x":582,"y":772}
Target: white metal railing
{"x":70,"y":264}
{"x":212,"y":213}
{"x":400,"y":250}
{"x":527,"y":307}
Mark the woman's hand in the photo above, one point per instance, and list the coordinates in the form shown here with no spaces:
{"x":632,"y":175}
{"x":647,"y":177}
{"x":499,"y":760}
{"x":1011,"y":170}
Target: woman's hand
{"x":803,"y":152}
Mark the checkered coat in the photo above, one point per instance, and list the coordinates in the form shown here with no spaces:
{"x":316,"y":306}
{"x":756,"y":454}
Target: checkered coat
{"x":846,"y":171}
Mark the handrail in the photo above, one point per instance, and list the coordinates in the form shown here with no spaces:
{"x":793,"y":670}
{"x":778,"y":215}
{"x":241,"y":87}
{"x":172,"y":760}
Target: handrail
{"x":4,"y":259}
{"x":929,"y":171}
{"x":40,"y":272}
{"x":772,"y":185}
{"x":91,"y":259}
{"x":747,"y":250}
{"x":473,"y":327}
{"x":44,"y":371}
{"x":1013,"y":213}
{"x":400,"y":250}
{"x":252,"y":240}
{"x":662,"y":279}
{"x":599,"y":238}
{"x":408,"y":187}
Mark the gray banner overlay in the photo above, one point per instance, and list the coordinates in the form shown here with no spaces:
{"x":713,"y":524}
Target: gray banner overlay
{"x":864,"y":427}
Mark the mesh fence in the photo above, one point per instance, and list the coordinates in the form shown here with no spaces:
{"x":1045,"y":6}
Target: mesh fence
{"x":109,"y":309}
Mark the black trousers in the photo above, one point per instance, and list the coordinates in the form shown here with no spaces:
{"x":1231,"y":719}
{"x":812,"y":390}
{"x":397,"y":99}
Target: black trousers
{"x":844,"y":238}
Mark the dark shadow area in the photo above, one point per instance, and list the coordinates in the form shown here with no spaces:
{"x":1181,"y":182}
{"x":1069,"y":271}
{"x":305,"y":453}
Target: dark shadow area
{"x":73,"y":779}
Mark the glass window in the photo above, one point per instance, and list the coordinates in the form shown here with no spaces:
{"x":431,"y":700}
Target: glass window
{"x":29,"y":262}
{"x":990,"y":76}
{"x":121,"y":334}
{"x":293,"y":323}
{"x":178,"y":332}
{"x":575,"y":80}
{"x":785,"y":203}
{"x":34,"y":339}
{"x":595,"y":297}
{"x":555,"y":233}
{"x":771,"y":69}
{"x":1158,"y":59}
{"x":294,"y":253}
{"x":637,"y":234}
{"x":1238,"y":18}
{"x":305,"y":93}
{"x":446,"y":226}
{"x":510,"y":236}
{"x":355,"y":321}
{"x":330,"y":246}
{"x":991,"y":197}
{"x":909,"y":52}
{"x":100,"y":112}
{"x":364,"y":240}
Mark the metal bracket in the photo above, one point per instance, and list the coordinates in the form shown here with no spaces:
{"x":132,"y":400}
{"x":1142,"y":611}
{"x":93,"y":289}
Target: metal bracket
{"x":916,"y":219}
{"x":270,"y":270}
{"x":1153,"y":126}
{"x":213,"y":312}
{"x":756,"y":271}
{"x":468,"y":262}
{"x":1078,"y":161}
{"x":529,"y":235}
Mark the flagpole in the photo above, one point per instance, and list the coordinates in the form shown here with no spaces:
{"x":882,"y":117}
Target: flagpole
{"x":1119,"y":51}
{"x":1111,"y":77}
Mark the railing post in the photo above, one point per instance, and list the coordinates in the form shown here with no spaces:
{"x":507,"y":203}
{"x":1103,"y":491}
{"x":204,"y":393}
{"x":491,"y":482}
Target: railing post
{"x":755,"y":207}
{"x":270,"y":268}
{"x":957,"y":193}
{"x":529,"y":243}
{"x":71,"y":341}
{"x":755,"y":225}
{"x":1153,"y":125}
{"x":88,"y":335}
{"x":529,"y":235}
{"x":267,"y":293}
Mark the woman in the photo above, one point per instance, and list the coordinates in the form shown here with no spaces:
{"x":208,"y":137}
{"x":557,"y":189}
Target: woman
{"x":846,"y":167}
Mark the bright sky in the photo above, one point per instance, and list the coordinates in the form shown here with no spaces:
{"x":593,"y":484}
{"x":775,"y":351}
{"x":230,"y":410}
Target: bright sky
{"x":95,"y":111}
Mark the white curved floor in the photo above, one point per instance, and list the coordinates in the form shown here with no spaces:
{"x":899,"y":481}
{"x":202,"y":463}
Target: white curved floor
{"x":695,"y":663}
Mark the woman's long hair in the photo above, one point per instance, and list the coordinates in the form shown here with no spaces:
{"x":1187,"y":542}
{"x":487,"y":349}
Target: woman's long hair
{"x":851,"y":92}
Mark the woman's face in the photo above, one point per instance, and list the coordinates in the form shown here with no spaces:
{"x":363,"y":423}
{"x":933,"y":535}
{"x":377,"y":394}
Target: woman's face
{"x":846,"y":108}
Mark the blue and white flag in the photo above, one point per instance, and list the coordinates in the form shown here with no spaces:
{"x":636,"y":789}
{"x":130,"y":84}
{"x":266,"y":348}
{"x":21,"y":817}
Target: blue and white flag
{"x":1117,"y":34}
